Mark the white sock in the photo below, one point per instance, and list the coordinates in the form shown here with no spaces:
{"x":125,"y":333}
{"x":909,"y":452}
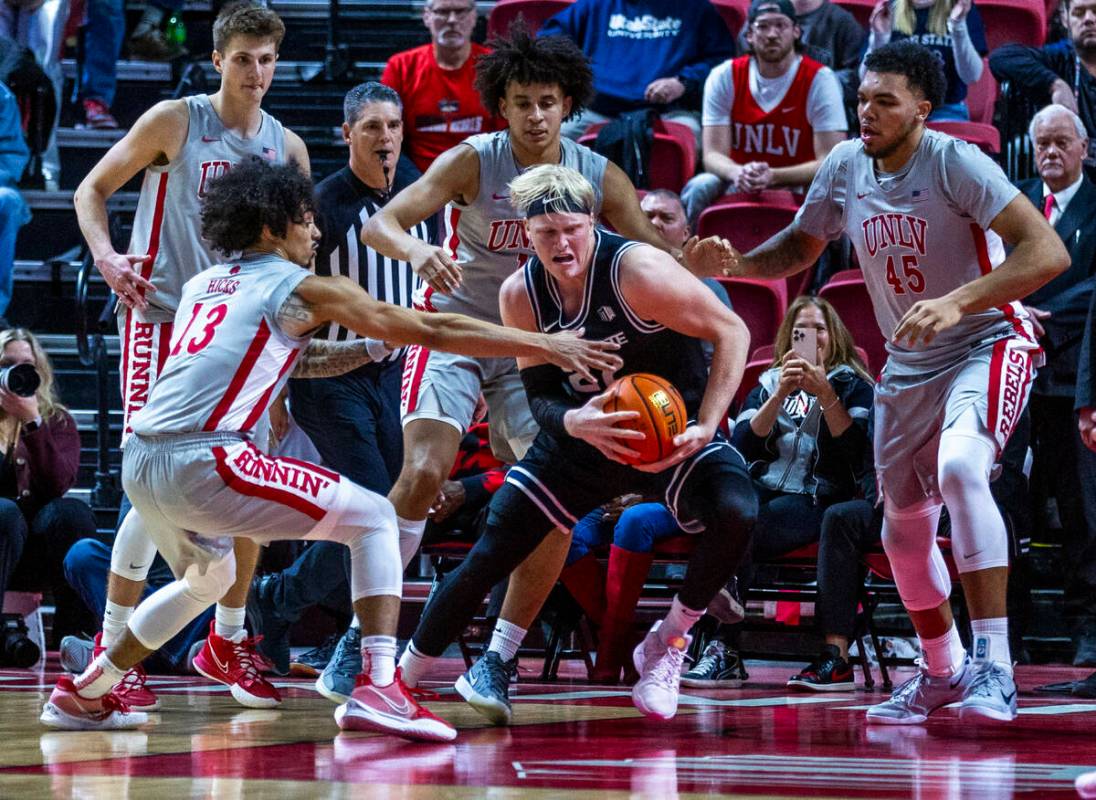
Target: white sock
{"x":379,"y":658}
{"x":506,"y":639}
{"x":115,"y":618}
{"x":227,"y":622}
{"x":413,"y":665}
{"x":991,"y":641}
{"x":943,"y":655}
{"x":411,"y":531}
{"x":354,"y":622}
{"x":99,"y":678}
{"x":677,"y":624}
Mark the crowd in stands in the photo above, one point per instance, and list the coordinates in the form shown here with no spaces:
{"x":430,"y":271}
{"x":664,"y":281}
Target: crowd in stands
{"x":763,"y":105}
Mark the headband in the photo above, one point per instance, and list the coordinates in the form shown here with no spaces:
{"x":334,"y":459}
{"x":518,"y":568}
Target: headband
{"x":547,"y":204}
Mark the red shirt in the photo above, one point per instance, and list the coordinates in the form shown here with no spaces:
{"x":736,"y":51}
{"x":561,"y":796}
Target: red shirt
{"x":782,"y":137}
{"x":440,"y":106}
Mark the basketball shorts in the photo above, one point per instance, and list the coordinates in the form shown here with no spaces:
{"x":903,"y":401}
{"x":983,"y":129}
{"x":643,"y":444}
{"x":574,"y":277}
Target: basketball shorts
{"x":145,"y":346}
{"x":446,"y":387}
{"x":196,"y":492}
{"x":565,"y":480}
{"x":914,"y":406}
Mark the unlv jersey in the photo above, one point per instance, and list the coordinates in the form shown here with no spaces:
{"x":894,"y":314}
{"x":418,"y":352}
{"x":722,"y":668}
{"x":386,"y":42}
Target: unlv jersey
{"x":645,"y":345}
{"x":487,"y":237}
{"x":228,"y":357}
{"x":782,"y":136}
{"x":167,"y":225}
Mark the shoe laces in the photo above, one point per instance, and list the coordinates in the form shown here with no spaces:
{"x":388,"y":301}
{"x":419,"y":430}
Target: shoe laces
{"x":668,"y":667}
{"x":710,"y":660}
{"x":498,"y":679}
{"x":112,"y":702}
{"x":133,"y":680}
{"x":247,"y":657}
{"x":908,"y":689}
{"x":986,"y":681}
{"x":323,"y":651}
{"x":347,"y":653}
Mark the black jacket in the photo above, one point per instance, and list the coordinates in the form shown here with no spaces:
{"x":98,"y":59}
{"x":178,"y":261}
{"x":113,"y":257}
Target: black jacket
{"x":1086,"y":364}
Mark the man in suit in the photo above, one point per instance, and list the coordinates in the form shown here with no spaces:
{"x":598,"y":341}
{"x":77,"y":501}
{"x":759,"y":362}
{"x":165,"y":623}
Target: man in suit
{"x":1062,"y":464}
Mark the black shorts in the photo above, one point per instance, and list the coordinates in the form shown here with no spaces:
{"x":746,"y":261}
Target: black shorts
{"x":565,"y":479}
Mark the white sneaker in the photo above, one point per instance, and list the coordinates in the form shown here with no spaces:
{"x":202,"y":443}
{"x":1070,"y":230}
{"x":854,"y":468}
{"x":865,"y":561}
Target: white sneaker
{"x":659,"y":668}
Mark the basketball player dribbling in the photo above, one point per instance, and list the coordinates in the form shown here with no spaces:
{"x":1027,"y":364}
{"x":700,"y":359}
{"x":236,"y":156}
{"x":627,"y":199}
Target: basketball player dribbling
{"x":182,"y":145}
{"x":927,"y":214}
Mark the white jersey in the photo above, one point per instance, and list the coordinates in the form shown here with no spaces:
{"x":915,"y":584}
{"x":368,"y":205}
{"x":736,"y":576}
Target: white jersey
{"x":228,"y":357}
{"x":167,"y":225}
{"x":918,"y":234}
{"x":487,"y":236}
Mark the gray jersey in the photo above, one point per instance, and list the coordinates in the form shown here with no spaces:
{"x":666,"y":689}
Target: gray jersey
{"x":228,"y":357}
{"x":487,"y":237}
{"x":167,"y":224}
{"x":918,"y":234}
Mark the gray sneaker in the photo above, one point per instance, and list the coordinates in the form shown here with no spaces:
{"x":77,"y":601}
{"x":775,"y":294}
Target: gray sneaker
{"x":486,"y":687}
{"x":76,"y":654}
{"x":336,"y":683}
{"x":990,"y":695}
{"x":913,"y":701}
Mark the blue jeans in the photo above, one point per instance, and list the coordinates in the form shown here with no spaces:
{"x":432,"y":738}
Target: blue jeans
{"x":13,"y":215}
{"x":637,"y":529}
{"x":950,"y":112}
{"x":103,"y":34}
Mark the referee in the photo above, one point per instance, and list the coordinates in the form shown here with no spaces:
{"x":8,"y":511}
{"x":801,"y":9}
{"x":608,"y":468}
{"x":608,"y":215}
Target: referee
{"x":353,"y":419}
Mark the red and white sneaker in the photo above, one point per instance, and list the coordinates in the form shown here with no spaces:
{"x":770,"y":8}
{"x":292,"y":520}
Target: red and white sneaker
{"x":132,"y":690}
{"x":235,"y":663}
{"x":68,"y":711}
{"x":391,"y":709}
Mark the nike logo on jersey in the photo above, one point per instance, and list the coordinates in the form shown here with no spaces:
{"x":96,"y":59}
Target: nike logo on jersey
{"x":862,"y":195}
{"x":499,"y":196}
{"x":403,"y":707}
{"x":208,"y":139}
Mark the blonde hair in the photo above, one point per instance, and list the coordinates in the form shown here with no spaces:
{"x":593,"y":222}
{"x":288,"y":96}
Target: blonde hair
{"x":905,"y":18}
{"x":48,"y":404}
{"x":552,"y":184}
{"x":842,"y":347}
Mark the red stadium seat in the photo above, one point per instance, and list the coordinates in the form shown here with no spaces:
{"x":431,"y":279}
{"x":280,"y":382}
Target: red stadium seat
{"x":982,"y":95}
{"x":747,"y":220}
{"x":733,"y":13}
{"x":861,"y":9}
{"x":673,"y":154}
{"x":534,"y":11}
{"x":761,"y":304}
{"x":1018,"y":21}
{"x":848,"y":294}
{"x":762,"y":352}
{"x":750,"y":377}
{"x":985,"y":136}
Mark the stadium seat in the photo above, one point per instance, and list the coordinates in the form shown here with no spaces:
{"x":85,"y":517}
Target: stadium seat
{"x":750,"y":377}
{"x":985,"y":136}
{"x":534,"y":11}
{"x":760,"y":303}
{"x":848,"y":294}
{"x":861,"y":9}
{"x":733,"y":13}
{"x":982,"y":96}
{"x":673,"y":154}
{"x":747,"y":220}
{"x":1013,"y":21}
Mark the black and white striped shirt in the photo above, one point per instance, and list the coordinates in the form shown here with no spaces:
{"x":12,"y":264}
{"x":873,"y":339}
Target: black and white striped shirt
{"x":343,"y":205}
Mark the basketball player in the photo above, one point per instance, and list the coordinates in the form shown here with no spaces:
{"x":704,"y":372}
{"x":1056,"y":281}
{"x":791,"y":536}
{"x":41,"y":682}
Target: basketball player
{"x":182,"y":145}
{"x":636,"y":295}
{"x":196,"y":480}
{"x":536,"y":83}
{"x":927,"y":214}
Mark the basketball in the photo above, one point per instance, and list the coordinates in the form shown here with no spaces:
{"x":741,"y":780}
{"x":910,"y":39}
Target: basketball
{"x":661,"y":414}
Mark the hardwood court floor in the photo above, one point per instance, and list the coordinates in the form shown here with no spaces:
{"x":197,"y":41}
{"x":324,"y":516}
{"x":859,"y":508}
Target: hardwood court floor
{"x":569,"y":739}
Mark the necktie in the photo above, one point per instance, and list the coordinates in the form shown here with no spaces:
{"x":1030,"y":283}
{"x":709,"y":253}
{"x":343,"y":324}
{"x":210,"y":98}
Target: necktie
{"x":1048,"y":206}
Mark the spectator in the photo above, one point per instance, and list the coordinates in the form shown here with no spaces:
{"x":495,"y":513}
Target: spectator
{"x":769,"y":117}
{"x":645,"y":54}
{"x":952,"y":29}
{"x":1063,"y":72}
{"x":1085,"y":406}
{"x":39,"y":458}
{"x":148,"y":42}
{"x":1058,"y":309}
{"x":104,"y":30}
{"x":441,"y":106}
{"x":13,"y":210}
{"x":804,"y":428}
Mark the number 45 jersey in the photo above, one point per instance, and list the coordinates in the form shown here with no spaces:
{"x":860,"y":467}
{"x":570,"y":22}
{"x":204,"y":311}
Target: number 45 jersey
{"x":919,"y":233}
{"x":228,"y":357}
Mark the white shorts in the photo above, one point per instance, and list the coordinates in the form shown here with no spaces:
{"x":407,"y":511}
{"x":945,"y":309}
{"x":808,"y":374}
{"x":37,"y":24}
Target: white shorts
{"x":145,"y":346}
{"x":195,"y":492}
{"x":446,"y":387}
{"x":912,"y":409}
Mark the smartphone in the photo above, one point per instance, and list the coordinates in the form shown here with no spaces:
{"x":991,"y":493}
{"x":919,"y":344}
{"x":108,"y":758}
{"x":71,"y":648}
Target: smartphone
{"x":805,"y":344}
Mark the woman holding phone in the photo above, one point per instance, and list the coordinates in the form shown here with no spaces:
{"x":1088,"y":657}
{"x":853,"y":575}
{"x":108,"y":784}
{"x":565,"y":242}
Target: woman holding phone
{"x":804,"y":431}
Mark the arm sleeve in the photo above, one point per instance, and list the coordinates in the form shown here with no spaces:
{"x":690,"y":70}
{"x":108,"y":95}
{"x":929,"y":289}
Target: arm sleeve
{"x":822,"y":214}
{"x":973,"y":182}
{"x":1030,"y":69}
{"x":718,"y":96}
{"x":825,"y":104}
{"x":547,"y":400}
{"x":968,"y":61}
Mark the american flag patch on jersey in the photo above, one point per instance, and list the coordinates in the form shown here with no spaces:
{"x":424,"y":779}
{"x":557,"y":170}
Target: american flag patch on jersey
{"x":270,"y":154}
{"x":920,"y":195}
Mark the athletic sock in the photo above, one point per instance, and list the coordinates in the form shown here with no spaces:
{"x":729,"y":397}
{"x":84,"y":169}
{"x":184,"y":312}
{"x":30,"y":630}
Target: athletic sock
{"x":379,"y":658}
{"x":227,"y":622}
{"x":115,"y":618}
{"x":991,"y":641}
{"x":677,"y":624}
{"x":99,"y":678}
{"x":506,"y":639}
{"x":413,"y":665}
{"x":943,"y":655}
{"x":411,"y":531}
{"x":354,"y":622}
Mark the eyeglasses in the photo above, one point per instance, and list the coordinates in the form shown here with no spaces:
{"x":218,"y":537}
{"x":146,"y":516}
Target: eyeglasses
{"x":445,"y":13}
{"x":779,"y":26}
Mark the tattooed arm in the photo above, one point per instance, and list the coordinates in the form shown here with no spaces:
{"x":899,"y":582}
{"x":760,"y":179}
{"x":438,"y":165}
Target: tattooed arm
{"x":786,"y":253}
{"x":297,"y":317}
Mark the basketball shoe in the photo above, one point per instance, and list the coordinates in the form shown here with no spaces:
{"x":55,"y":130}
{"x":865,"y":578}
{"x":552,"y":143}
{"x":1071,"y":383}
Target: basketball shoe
{"x":235,"y":663}
{"x":68,"y":711}
{"x":913,"y":701}
{"x":311,"y":663}
{"x":990,"y":695}
{"x":719,"y":668}
{"x":659,"y":668}
{"x":827,"y":673}
{"x":132,"y":691}
{"x":1086,"y":784}
{"x":391,"y":709}
{"x":337,"y":681}
{"x":486,"y":687}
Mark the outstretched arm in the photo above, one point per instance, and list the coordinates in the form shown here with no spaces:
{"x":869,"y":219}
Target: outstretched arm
{"x":786,"y":253}
{"x":328,"y":359}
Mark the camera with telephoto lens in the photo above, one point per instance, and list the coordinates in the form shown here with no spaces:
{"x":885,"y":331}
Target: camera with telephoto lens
{"x":20,"y":379}
{"x":17,"y":649}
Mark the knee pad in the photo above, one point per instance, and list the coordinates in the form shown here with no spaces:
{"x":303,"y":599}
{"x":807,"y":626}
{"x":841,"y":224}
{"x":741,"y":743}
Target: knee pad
{"x":133,"y":550}
{"x":909,"y":540}
{"x":209,"y":585}
{"x":978,"y":535}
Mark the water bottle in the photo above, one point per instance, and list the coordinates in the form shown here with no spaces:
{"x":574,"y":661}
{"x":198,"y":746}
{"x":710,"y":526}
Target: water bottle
{"x":175,"y":30}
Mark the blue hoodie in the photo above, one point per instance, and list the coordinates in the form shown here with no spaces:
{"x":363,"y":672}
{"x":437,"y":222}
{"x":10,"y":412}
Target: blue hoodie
{"x":631,"y":43}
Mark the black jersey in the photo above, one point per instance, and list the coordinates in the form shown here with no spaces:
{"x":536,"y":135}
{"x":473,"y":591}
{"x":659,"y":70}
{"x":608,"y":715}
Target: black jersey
{"x":645,"y":345}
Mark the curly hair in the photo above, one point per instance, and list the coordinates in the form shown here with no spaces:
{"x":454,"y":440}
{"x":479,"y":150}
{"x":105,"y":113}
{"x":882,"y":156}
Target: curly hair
{"x":253,"y":195}
{"x":524,"y":58}
{"x":917,"y":63}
